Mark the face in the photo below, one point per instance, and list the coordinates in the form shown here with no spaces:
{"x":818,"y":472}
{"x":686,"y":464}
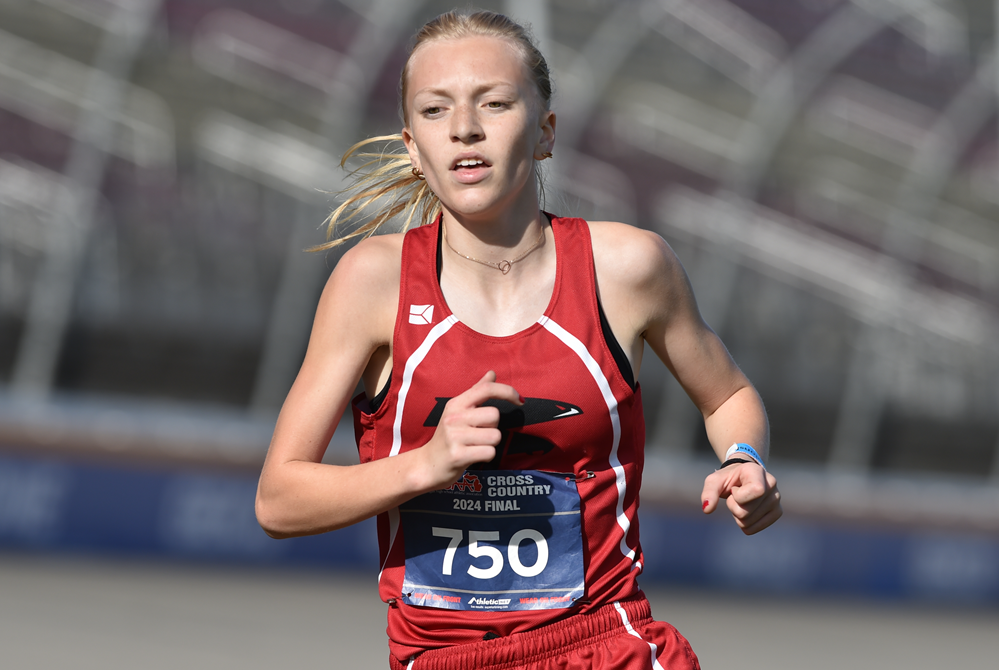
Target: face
{"x":476,"y":124}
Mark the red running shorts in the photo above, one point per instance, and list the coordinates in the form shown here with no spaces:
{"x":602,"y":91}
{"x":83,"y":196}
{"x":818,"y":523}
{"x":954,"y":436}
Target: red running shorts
{"x":617,"y":636}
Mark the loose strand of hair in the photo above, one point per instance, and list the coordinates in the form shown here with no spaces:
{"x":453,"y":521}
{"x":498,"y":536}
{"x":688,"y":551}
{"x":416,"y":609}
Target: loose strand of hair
{"x":384,"y":175}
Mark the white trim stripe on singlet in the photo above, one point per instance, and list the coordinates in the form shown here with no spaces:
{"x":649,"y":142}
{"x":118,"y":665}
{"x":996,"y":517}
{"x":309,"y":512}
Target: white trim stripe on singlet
{"x":571,"y":341}
{"x":408,"y":371}
{"x":393,"y":515}
{"x":631,"y":631}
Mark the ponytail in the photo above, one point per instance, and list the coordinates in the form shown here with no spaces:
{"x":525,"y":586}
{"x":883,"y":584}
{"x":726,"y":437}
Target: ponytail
{"x":384,"y":183}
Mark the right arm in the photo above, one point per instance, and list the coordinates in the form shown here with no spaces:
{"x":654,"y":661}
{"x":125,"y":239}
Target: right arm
{"x":297,"y":493}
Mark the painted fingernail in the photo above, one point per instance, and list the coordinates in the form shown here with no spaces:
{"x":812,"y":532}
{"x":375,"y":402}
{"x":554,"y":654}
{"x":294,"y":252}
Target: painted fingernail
{"x":521,"y":398}
{"x":705,"y":505}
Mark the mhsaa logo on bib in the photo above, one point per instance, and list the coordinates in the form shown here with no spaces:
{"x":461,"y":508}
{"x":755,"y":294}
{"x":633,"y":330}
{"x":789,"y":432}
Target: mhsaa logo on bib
{"x":421,"y":315}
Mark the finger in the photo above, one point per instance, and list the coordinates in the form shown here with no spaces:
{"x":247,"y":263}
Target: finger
{"x":711,"y":493}
{"x":719,"y":484}
{"x":488,"y":389}
{"x":767,"y":520}
{"x":748,"y":514}
{"x":479,"y":417}
{"x":465,"y":437}
{"x":750,"y":484}
{"x":489,"y":437}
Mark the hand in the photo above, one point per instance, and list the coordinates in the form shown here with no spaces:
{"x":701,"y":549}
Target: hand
{"x":467,"y":433}
{"x":752,"y":495}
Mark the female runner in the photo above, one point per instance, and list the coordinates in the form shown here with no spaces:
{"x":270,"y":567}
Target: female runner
{"x":502,"y":445}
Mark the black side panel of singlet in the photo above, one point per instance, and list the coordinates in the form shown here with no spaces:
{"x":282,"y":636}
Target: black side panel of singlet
{"x":623,"y":364}
{"x":377,"y":401}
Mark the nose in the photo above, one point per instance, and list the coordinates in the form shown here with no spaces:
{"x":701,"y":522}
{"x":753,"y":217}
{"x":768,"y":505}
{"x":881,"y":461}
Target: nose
{"x":465,"y":125}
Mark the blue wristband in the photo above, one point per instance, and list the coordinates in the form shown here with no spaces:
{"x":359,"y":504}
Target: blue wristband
{"x":741,"y":447}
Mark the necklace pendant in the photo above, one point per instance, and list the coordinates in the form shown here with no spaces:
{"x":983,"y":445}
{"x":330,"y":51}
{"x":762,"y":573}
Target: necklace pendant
{"x":504,"y":266}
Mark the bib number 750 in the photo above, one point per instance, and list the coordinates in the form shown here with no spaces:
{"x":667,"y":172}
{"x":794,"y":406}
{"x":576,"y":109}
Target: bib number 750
{"x":476,"y":550}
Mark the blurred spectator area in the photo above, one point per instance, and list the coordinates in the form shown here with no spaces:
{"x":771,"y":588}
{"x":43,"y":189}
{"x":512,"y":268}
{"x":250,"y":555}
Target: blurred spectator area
{"x":827,"y":171}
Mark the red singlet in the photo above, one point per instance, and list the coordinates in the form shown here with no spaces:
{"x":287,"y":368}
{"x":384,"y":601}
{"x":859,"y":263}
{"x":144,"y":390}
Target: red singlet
{"x":584,"y":418}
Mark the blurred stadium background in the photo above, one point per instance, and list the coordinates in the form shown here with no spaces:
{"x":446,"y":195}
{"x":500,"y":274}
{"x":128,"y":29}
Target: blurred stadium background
{"x":827,"y":170}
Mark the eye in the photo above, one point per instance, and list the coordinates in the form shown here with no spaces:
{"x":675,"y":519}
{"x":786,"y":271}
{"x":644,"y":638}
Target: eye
{"x":496,"y":104}
{"x":431,"y":111}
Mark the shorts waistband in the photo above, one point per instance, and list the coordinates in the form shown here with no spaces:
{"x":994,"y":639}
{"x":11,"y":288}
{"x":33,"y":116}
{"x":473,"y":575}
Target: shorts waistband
{"x":535,"y":645}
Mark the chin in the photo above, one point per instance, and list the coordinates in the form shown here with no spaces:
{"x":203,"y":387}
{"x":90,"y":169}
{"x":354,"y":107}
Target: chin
{"x":471,"y":208}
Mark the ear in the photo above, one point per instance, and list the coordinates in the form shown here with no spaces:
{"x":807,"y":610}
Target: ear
{"x":546,"y":139}
{"x":411,"y":148}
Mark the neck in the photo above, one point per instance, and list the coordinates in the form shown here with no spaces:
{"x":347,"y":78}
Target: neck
{"x":478,"y":291}
{"x":495,"y":238}
{"x":503,"y":264}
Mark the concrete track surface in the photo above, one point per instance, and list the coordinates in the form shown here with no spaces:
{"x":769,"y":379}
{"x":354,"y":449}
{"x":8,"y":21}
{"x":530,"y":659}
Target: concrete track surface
{"x":80,"y":613}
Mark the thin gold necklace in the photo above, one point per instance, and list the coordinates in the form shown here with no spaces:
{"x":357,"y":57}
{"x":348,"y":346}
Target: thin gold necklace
{"x":504,"y":265}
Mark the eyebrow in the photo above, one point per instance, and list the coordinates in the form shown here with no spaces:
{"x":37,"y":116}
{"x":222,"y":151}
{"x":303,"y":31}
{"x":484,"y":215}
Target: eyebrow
{"x":483,"y":88}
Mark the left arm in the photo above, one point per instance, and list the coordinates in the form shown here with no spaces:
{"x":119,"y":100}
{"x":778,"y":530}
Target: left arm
{"x":648,"y":298}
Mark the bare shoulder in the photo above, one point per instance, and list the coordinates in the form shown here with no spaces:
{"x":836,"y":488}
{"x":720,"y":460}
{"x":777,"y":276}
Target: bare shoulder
{"x":373,"y":264}
{"x":631,"y":257}
{"x":642,"y":285}
{"x":363,"y":289}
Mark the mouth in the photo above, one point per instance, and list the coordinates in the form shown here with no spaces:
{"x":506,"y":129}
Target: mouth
{"x":469,"y":164}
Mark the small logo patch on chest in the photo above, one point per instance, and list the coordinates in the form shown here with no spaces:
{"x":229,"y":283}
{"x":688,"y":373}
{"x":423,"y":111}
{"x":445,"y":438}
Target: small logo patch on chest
{"x":421,"y":315}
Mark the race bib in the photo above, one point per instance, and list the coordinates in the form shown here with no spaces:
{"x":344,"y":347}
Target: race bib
{"x":496,"y":540}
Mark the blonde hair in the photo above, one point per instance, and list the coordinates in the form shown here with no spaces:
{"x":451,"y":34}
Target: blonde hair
{"x":386,"y":185}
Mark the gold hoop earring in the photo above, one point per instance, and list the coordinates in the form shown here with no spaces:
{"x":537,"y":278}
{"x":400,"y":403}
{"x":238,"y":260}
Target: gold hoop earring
{"x":418,"y":173}
{"x":546,"y":154}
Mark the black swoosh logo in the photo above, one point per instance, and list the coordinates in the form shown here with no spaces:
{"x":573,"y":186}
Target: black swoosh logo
{"x":532,"y":412}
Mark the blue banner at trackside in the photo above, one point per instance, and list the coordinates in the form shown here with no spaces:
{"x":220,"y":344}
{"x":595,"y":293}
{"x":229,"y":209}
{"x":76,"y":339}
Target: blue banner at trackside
{"x":200,"y":514}
{"x":133,"y":510}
